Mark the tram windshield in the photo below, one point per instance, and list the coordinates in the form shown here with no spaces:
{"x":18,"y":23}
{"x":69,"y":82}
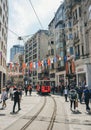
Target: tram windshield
{"x":45,"y":83}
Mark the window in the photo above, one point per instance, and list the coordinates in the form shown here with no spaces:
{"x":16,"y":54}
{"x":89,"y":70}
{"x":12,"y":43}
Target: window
{"x":77,"y":52}
{"x":71,"y":50}
{"x":70,"y":36}
{"x":52,"y":51}
{"x":2,"y":31}
{"x":4,"y":6}
{"x":0,"y":26}
{"x":61,"y":53}
{"x":3,"y":19}
{"x":2,"y":45}
{"x":79,"y":11}
{"x":0,"y":11}
{"x":62,"y":63}
{"x":82,"y":50}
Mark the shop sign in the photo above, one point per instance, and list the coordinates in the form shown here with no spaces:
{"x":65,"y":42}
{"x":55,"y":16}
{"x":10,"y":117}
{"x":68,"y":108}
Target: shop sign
{"x":80,"y":69}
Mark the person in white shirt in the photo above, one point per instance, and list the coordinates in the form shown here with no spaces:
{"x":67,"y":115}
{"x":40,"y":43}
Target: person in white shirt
{"x":66,"y":93}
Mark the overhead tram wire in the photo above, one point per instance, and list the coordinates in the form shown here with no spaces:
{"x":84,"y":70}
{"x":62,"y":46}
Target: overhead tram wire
{"x":36,"y":14}
{"x":10,"y":30}
{"x":14,"y":33}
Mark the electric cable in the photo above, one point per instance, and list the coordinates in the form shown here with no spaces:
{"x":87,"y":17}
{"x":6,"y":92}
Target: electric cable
{"x":36,"y":14}
{"x":10,"y":30}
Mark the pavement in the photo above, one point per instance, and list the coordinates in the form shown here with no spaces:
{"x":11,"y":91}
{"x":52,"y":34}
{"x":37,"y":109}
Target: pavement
{"x":80,"y":120}
{"x":77,"y":120}
{"x":27,"y":104}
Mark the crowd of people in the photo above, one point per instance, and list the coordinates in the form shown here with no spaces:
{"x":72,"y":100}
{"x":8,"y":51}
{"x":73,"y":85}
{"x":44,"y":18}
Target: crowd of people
{"x":15,"y":94}
{"x":71,"y":94}
{"x":74,"y":94}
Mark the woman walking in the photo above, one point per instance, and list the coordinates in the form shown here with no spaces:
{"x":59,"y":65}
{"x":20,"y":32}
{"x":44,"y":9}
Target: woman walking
{"x":4,"y":97}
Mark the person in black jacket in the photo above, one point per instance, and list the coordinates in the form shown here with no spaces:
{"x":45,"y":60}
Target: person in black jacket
{"x":86,"y":96}
{"x":16,"y":99}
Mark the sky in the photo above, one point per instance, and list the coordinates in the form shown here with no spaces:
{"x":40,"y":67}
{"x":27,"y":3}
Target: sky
{"x":23,"y":21}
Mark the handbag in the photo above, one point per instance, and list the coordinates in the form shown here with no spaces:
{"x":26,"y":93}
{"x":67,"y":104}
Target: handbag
{"x":6,"y":98}
{"x":76,"y":103}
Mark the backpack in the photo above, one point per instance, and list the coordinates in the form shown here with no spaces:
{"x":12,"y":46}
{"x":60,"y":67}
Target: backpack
{"x":73,"y":95}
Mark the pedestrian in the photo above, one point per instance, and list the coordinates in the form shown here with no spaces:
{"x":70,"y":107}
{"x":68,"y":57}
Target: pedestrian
{"x":7,"y":89}
{"x":4,"y":97}
{"x":53,"y":88}
{"x":20,"y":91}
{"x":38,"y":88}
{"x":66,"y":93}
{"x":30,"y":89}
{"x":16,"y":99}
{"x":80,"y":91}
{"x":26,"y":90}
{"x":73,"y":98}
{"x":62,"y":89}
{"x":86,"y":95}
{"x":11,"y":92}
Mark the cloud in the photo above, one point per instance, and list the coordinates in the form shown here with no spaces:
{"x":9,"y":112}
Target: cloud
{"x":23,"y":21}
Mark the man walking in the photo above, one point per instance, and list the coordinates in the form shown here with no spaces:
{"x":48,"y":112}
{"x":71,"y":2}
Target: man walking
{"x":86,"y":95}
{"x":73,"y":98}
{"x":16,"y":99}
{"x":65,"y":93}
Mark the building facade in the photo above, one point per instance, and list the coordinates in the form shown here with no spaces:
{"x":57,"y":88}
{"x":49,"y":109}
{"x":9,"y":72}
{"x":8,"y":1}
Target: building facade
{"x":68,"y":39}
{"x":78,"y":12}
{"x":14,"y":71}
{"x":83,"y":68}
{"x":36,"y":49}
{"x":3,"y":40}
{"x":14,"y":50}
{"x":52,"y":52}
{"x":60,"y":43}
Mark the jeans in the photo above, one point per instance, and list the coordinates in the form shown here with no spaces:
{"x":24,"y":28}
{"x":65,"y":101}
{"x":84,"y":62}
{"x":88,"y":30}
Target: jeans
{"x":71,"y":103}
{"x":15,"y":105}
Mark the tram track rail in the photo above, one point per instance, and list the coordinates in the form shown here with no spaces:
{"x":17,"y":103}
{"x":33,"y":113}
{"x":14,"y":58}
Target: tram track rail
{"x":50,"y":126}
{"x":34,"y":117}
{"x":29,"y":119}
{"x":52,"y":120}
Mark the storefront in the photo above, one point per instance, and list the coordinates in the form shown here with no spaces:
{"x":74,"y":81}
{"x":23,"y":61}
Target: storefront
{"x":52,"y":79}
{"x":60,"y":77}
{"x":83,"y":75}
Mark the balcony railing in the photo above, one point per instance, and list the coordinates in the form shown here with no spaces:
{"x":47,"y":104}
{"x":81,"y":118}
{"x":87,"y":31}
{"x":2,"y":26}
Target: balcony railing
{"x":60,"y":68}
{"x":76,"y":40}
{"x":74,"y":2}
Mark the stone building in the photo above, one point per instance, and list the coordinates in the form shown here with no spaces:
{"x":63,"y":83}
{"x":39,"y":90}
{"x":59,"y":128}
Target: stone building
{"x":3,"y":40}
{"x":83,"y":69}
{"x":36,"y":49}
{"x":79,"y":13}
{"x":60,"y":43}
{"x":52,"y":51}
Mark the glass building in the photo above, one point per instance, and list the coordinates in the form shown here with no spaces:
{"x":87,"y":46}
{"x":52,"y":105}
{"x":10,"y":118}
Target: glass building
{"x":14,"y":50}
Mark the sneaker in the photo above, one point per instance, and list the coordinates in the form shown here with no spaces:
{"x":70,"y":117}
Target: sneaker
{"x":19,"y":109}
{"x":12,"y":112}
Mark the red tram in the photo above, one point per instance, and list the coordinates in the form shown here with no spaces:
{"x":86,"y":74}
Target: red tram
{"x":43,"y":87}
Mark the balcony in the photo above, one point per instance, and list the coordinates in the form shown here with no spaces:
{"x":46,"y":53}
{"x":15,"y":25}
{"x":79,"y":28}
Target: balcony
{"x":76,"y":40}
{"x":43,"y":75}
{"x":60,"y":68}
{"x":68,"y":10}
{"x":75,"y":21}
{"x":75,"y":2}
